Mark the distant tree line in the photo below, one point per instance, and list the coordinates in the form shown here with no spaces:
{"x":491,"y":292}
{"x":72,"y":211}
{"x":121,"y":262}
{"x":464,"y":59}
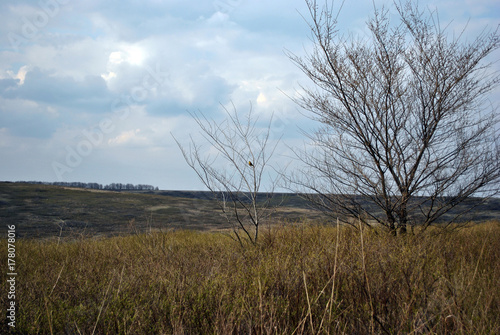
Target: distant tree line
{"x":97,"y":186}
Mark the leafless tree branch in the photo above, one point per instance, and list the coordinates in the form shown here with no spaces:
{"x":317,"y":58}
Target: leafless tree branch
{"x":246,"y":151}
{"x":406,"y":127}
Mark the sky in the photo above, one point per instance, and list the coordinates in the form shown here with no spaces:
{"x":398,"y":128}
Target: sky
{"x":96,"y":91}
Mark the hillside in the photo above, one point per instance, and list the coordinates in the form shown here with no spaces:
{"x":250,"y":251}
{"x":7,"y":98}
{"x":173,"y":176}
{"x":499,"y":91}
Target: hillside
{"x":44,"y":211}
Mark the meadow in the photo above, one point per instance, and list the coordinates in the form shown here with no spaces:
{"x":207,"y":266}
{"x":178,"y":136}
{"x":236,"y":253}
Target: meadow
{"x":299,"y":279}
{"x":48,"y":212}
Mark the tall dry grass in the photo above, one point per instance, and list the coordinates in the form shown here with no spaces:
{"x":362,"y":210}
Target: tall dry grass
{"x":305,"y":279}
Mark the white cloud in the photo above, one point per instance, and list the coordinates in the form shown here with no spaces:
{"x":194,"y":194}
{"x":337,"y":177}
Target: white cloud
{"x":218,"y":18}
{"x":91,"y":54}
{"x":21,"y":74}
{"x":75,"y":57}
{"x":130,"y":137}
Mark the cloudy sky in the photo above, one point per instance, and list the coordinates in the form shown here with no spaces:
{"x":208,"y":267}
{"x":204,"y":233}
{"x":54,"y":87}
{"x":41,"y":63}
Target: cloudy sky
{"x":93,"y":90}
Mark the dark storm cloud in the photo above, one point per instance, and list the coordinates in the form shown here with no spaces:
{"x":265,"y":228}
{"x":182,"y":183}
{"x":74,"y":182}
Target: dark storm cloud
{"x":91,"y":94}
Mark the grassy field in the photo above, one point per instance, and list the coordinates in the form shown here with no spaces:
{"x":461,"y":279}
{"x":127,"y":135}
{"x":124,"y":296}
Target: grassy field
{"x":299,"y":279}
{"x":45,"y":211}
{"x":101,"y":262}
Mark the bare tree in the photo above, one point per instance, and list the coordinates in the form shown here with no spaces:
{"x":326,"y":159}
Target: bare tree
{"x":407,"y":132}
{"x":236,"y":173}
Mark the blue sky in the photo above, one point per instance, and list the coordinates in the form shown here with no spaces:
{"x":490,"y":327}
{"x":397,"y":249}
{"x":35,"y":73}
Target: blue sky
{"x":92,"y":91}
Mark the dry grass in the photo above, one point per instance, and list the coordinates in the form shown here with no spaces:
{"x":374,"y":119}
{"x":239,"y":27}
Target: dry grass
{"x":305,"y":279}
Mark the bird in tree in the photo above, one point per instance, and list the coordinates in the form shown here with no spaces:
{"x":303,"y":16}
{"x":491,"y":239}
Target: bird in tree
{"x":250,"y":163}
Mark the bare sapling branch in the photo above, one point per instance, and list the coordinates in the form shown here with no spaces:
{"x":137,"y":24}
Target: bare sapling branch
{"x":237,"y":172}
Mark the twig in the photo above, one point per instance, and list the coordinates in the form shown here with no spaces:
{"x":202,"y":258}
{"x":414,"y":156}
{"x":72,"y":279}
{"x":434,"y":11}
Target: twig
{"x":102,"y":305}
{"x":308,"y":303}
